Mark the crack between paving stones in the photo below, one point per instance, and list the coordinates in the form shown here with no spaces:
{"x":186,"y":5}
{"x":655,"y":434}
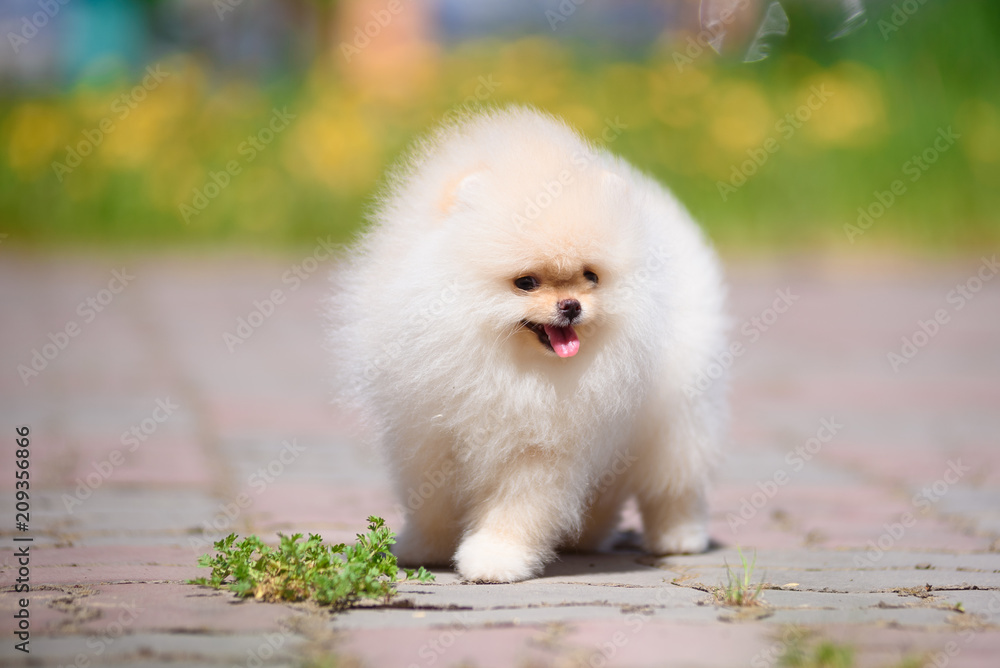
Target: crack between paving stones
{"x":609,"y":584}
{"x":402,"y":605}
{"x":930,"y":588}
{"x":70,"y":603}
{"x":684,"y":569}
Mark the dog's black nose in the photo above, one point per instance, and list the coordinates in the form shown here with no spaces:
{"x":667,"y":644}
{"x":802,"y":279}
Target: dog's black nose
{"x":570,"y":308}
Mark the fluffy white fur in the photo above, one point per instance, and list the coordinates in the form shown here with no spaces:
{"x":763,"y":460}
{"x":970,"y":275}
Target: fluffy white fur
{"x":503,"y":452}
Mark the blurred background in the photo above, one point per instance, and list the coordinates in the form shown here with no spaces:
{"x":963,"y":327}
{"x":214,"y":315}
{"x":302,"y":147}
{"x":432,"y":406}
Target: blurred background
{"x":817,"y":124}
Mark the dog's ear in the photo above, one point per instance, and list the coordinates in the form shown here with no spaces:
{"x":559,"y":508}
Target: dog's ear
{"x":458,"y":191}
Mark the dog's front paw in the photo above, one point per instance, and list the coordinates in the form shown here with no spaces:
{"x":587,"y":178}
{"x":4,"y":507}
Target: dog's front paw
{"x":690,"y":538}
{"x":484,"y":557}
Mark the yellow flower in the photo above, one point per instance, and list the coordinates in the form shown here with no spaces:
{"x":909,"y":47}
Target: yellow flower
{"x":626,"y":89}
{"x":337,"y":149}
{"x":741,"y":116}
{"x":840,"y":106}
{"x":533,"y":70}
{"x":980,"y":123}
{"x":673,"y":94}
{"x":36,"y":132}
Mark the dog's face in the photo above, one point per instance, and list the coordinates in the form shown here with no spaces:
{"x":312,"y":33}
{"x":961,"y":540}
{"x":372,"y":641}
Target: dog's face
{"x":547,"y":280}
{"x":556,"y":299}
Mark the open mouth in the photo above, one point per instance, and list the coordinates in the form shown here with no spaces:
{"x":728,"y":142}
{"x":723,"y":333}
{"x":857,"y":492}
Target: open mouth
{"x":563,"y":341}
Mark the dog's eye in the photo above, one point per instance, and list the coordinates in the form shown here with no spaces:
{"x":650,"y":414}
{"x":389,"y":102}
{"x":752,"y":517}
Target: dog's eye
{"x":590,"y":276}
{"x":526,"y":283}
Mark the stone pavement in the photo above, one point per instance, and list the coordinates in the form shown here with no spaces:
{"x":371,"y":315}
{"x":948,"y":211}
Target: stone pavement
{"x":871,"y":494}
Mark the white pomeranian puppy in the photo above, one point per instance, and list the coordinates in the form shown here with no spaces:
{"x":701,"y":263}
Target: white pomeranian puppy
{"x":527,"y":326}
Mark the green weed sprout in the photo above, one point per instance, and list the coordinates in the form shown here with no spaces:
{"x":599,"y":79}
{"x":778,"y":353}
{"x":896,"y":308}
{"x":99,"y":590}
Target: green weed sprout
{"x":739,"y":591}
{"x":826,"y":654}
{"x":337,"y":576}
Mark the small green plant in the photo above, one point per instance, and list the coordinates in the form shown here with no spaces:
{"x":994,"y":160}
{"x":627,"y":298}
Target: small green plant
{"x":338,"y":575}
{"x":739,"y":591}
{"x":826,"y":654}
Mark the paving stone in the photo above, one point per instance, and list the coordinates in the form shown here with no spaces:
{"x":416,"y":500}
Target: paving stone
{"x":545,"y":593}
{"x":331,"y":462}
{"x":815,"y":559}
{"x":550,"y":613}
{"x":980,"y":507}
{"x":175,"y":462}
{"x":172,"y":648}
{"x":618,"y":643}
{"x":164,"y":538}
{"x":760,"y":467}
{"x":792,"y":598}
{"x":92,"y":555}
{"x":854,"y":581}
{"x":615,"y":569}
{"x":123,"y":511}
{"x":884,"y":645}
{"x":285,"y":503}
{"x":866,"y":616}
{"x":982,"y":607}
{"x":484,"y":648}
{"x":185,"y":608}
{"x":56,"y":575}
{"x":659,"y":643}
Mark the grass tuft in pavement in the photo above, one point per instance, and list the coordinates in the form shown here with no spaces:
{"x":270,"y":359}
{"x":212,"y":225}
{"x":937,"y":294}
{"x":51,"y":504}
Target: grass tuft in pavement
{"x":826,"y":654}
{"x":829,"y":654}
{"x":338,"y":576}
{"x":739,"y":590}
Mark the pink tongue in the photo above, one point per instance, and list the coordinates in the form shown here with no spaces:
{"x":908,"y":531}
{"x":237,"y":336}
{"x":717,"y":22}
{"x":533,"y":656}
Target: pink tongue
{"x":563,"y":340}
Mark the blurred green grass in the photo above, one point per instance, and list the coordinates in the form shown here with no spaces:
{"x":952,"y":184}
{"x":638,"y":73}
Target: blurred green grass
{"x":689,"y":123}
